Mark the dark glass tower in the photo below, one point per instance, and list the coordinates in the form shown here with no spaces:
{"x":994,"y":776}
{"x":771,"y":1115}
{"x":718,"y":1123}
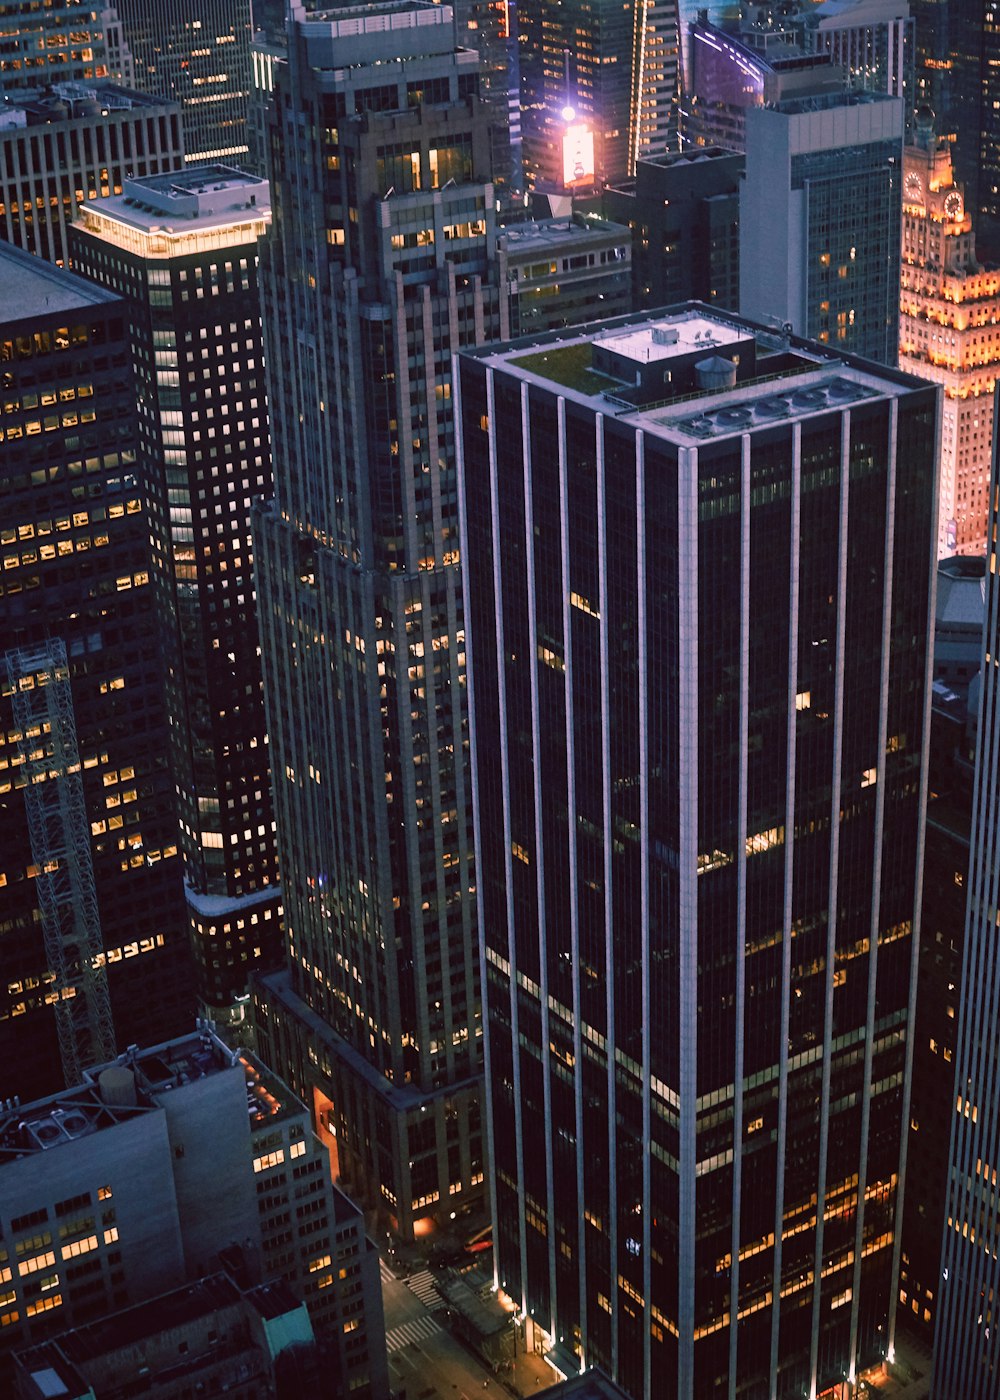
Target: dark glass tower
{"x":196,"y":52}
{"x":967,"y":1335}
{"x":381,"y":261}
{"x":699,"y":686}
{"x":195,"y":330}
{"x":74,"y":538}
{"x":598,"y":86}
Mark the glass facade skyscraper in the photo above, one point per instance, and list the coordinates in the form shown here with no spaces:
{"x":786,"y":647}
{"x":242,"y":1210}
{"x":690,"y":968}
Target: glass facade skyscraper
{"x":698,"y":567}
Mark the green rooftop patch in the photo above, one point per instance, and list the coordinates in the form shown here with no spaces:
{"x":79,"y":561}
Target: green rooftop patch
{"x":568,"y":365}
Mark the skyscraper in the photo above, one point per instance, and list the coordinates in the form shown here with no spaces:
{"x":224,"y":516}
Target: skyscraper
{"x":77,"y":618}
{"x":381,"y":260}
{"x":973,"y":113}
{"x":197,"y":53}
{"x":182,"y":250}
{"x":820,"y":219}
{"x":71,"y":143}
{"x":62,"y":41}
{"x":598,"y":86}
{"x":967,"y":1335}
{"x":948,"y":332}
{"x":698,"y":562}
{"x":684,"y":213}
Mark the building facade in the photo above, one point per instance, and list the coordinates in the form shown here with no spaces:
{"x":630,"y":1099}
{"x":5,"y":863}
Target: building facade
{"x":59,"y":42}
{"x":699,"y":721}
{"x":167,"y":1165}
{"x":820,"y":211}
{"x":966,"y":1339}
{"x":684,"y":213}
{"x":197,"y":53}
{"x":948,"y":332}
{"x":73,"y":143}
{"x":77,"y":571}
{"x":598,"y":87}
{"x":563,"y":272}
{"x":182,"y":251}
{"x":382,"y":258}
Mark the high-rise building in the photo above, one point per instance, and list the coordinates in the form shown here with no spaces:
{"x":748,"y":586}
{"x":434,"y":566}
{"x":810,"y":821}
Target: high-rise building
{"x":382,"y":259}
{"x":972,"y":114}
{"x":732,"y":72}
{"x":164,"y":1166}
{"x":820,"y":219}
{"x":958,"y":636}
{"x":71,"y":143}
{"x":698,"y":561}
{"x":873,"y":40}
{"x":562,"y":272}
{"x":967,"y":1333}
{"x":182,"y":250}
{"x":948,"y":332}
{"x":74,"y":534}
{"x":60,"y":41}
{"x":197,"y":53}
{"x":598,"y":89}
{"x":684,"y":213}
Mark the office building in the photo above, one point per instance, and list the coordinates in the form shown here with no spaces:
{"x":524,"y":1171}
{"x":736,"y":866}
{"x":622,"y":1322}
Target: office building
{"x":61,"y":41}
{"x":563,"y":272}
{"x":598,"y":90}
{"x":698,"y":568}
{"x":182,"y":250}
{"x":377,"y":1020}
{"x":684,"y":212}
{"x":165,"y":1166}
{"x":76,"y":613}
{"x":872,"y":40}
{"x":970,"y":116}
{"x":197,"y":53}
{"x":71,"y":143}
{"x":732,"y":72}
{"x":948,"y":332}
{"x":204,"y":1338}
{"x":958,"y":634}
{"x":966,"y":1340}
{"x":820,"y":220}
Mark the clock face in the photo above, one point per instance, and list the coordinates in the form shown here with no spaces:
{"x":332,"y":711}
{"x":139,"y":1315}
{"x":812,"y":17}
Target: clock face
{"x":914,"y":189}
{"x":953,"y":205}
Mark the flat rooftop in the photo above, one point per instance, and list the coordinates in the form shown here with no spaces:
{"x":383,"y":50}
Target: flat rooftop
{"x":664,"y":340}
{"x":592,"y":1385}
{"x":551,"y":233}
{"x":171,"y":1310}
{"x":196,"y":198}
{"x":32,"y":288}
{"x":791,"y":379}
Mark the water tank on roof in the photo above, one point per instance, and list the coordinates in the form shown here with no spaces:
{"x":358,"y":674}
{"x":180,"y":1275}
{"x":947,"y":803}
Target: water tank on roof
{"x":117,"y":1086}
{"x":715,"y":373}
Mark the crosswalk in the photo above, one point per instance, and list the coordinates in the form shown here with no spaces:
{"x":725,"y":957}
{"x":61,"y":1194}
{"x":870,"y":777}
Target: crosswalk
{"x":422,"y":1284}
{"x":409,"y":1333}
{"x":387,"y":1275}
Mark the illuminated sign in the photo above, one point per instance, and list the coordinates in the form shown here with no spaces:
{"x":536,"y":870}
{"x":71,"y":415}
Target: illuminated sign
{"x":578,"y":156}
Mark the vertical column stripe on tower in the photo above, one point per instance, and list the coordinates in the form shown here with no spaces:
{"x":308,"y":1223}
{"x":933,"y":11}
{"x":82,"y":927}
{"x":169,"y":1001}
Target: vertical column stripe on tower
{"x":831,"y":939}
{"x":741,"y":910}
{"x":787,"y":898}
{"x":687,"y":761}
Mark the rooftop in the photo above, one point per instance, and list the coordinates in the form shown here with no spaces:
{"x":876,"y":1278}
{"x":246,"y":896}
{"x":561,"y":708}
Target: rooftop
{"x":592,"y":1385}
{"x":552,"y":233}
{"x":200,"y":197}
{"x":665,"y":372}
{"x":72,"y":102}
{"x":171,"y":1310}
{"x":34,"y":288}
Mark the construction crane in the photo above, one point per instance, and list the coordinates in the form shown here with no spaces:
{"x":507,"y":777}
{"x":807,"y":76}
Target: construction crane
{"x":42,"y":701}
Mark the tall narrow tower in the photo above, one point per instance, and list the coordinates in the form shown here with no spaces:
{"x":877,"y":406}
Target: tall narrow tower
{"x":698,"y":567}
{"x":381,"y":260}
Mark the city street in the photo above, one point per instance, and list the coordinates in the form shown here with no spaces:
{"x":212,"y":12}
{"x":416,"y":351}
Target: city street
{"x":427,"y":1363}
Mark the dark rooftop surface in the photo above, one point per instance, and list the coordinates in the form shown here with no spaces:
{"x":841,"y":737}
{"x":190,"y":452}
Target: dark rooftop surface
{"x":592,"y":1385}
{"x":31,"y":288}
{"x":170,"y":1310}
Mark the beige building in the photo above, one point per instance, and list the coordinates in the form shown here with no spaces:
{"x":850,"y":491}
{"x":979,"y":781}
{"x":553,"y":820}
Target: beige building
{"x":949,"y":332}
